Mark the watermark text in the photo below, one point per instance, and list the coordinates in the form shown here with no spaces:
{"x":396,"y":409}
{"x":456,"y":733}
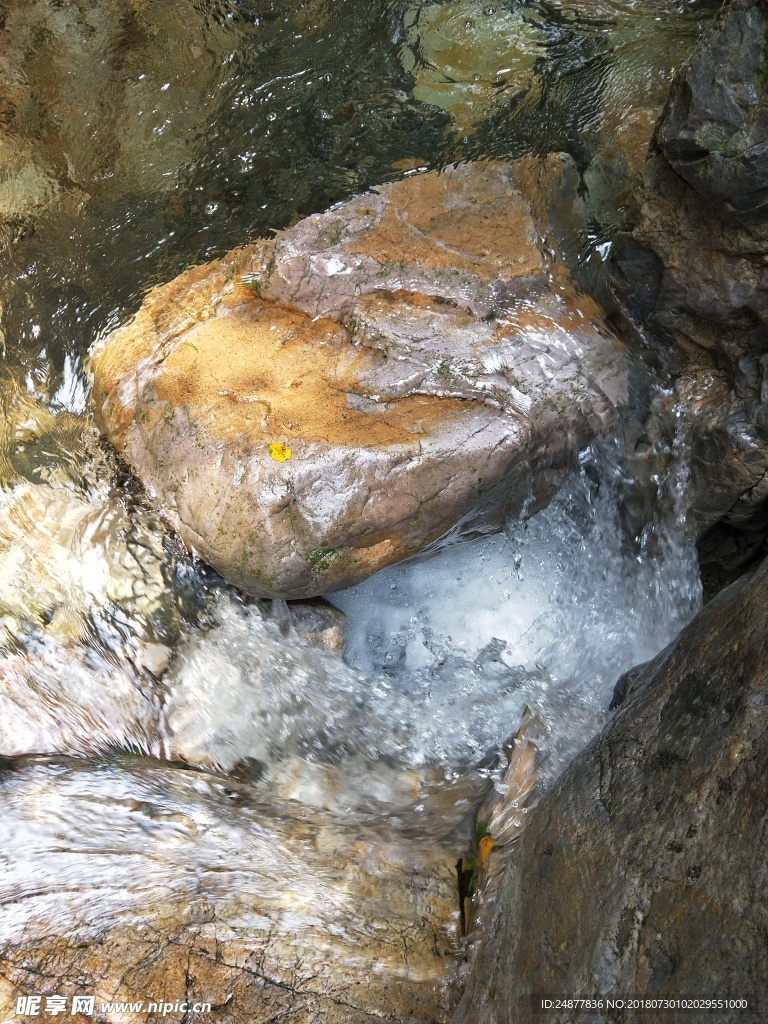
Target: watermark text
{"x":53,"y":1006}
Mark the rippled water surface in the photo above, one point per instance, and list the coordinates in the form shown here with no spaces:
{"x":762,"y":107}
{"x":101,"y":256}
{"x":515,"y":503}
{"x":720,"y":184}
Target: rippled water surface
{"x":142,"y":137}
{"x":166,"y":741}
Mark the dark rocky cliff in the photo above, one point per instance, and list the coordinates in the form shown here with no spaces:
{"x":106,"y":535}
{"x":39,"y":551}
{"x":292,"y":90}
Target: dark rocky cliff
{"x":693,"y":274}
{"x":643,"y":871}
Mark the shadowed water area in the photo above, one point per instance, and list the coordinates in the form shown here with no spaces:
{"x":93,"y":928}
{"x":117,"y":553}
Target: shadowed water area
{"x":195,"y":782}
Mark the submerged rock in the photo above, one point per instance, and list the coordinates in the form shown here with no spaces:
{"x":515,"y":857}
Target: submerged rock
{"x":320,"y":890}
{"x":643,"y":871}
{"x":309,"y":410}
{"x":191,"y":888}
{"x":87,"y":90}
{"x":315,"y":622}
{"x":462,"y":54}
{"x":316,"y":879}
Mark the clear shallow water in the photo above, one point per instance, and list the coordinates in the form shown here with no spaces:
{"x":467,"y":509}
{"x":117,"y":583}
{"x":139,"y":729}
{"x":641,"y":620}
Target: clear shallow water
{"x":544,"y":75}
{"x":221,"y":121}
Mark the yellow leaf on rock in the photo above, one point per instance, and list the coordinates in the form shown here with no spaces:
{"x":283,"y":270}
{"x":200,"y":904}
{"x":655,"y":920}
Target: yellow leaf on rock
{"x":486,"y":844}
{"x":280,"y":452}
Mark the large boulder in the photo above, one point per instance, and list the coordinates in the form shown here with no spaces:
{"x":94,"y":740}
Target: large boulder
{"x":309,"y":410}
{"x":643,"y":871}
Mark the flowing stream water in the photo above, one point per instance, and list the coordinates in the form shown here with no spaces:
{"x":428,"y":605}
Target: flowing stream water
{"x":165,"y":742}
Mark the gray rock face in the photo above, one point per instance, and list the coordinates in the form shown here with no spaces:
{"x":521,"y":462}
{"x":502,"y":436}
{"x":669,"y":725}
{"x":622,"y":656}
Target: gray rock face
{"x":694,"y":272}
{"x":643,"y":871}
{"x":467,"y":235}
{"x":310,"y":410}
{"x":714,"y":132}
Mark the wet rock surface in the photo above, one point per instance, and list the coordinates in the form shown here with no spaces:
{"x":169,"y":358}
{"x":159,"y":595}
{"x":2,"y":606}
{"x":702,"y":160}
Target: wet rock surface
{"x":191,"y":890}
{"x":311,"y":879}
{"x":643,"y":870}
{"x":310,"y":410}
{"x":693,"y":273}
{"x":317,"y":877}
{"x":200,"y":799}
{"x":715,"y":128}
{"x":293,"y":885}
{"x":320,"y":892}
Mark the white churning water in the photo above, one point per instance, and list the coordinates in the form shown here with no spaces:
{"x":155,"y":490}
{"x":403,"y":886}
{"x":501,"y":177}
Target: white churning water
{"x":549,"y":614}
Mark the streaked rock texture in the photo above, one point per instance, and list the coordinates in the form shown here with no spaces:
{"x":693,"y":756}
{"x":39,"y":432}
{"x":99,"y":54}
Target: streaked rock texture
{"x":715,"y":127}
{"x":311,"y":409}
{"x":643,"y":871}
{"x":190,"y":888}
{"x":320,"y":891}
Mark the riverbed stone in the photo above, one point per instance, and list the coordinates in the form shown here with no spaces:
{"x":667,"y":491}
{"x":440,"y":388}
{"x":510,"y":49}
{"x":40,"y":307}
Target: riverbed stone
{"x":462,"y":54}
{"x":86,"y":89}
{"x":325,"y":889}
{"x":643,"y":871}
{"x":311,"y":409}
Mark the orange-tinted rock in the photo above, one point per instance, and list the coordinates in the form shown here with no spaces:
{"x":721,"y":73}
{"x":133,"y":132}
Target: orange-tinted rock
{"x":310,"y":410}
{"x":467,"y":235}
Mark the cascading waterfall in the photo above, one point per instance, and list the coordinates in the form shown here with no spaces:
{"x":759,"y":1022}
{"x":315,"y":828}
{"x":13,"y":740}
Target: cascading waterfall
{"x":443,"y":655}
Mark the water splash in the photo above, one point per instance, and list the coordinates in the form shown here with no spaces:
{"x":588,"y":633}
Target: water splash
{"x":443,"y":654}
{"x":548,"y":614}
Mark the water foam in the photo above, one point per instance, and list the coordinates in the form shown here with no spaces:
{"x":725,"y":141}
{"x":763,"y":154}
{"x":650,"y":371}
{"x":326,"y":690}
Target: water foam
{"x":548,"y":613}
